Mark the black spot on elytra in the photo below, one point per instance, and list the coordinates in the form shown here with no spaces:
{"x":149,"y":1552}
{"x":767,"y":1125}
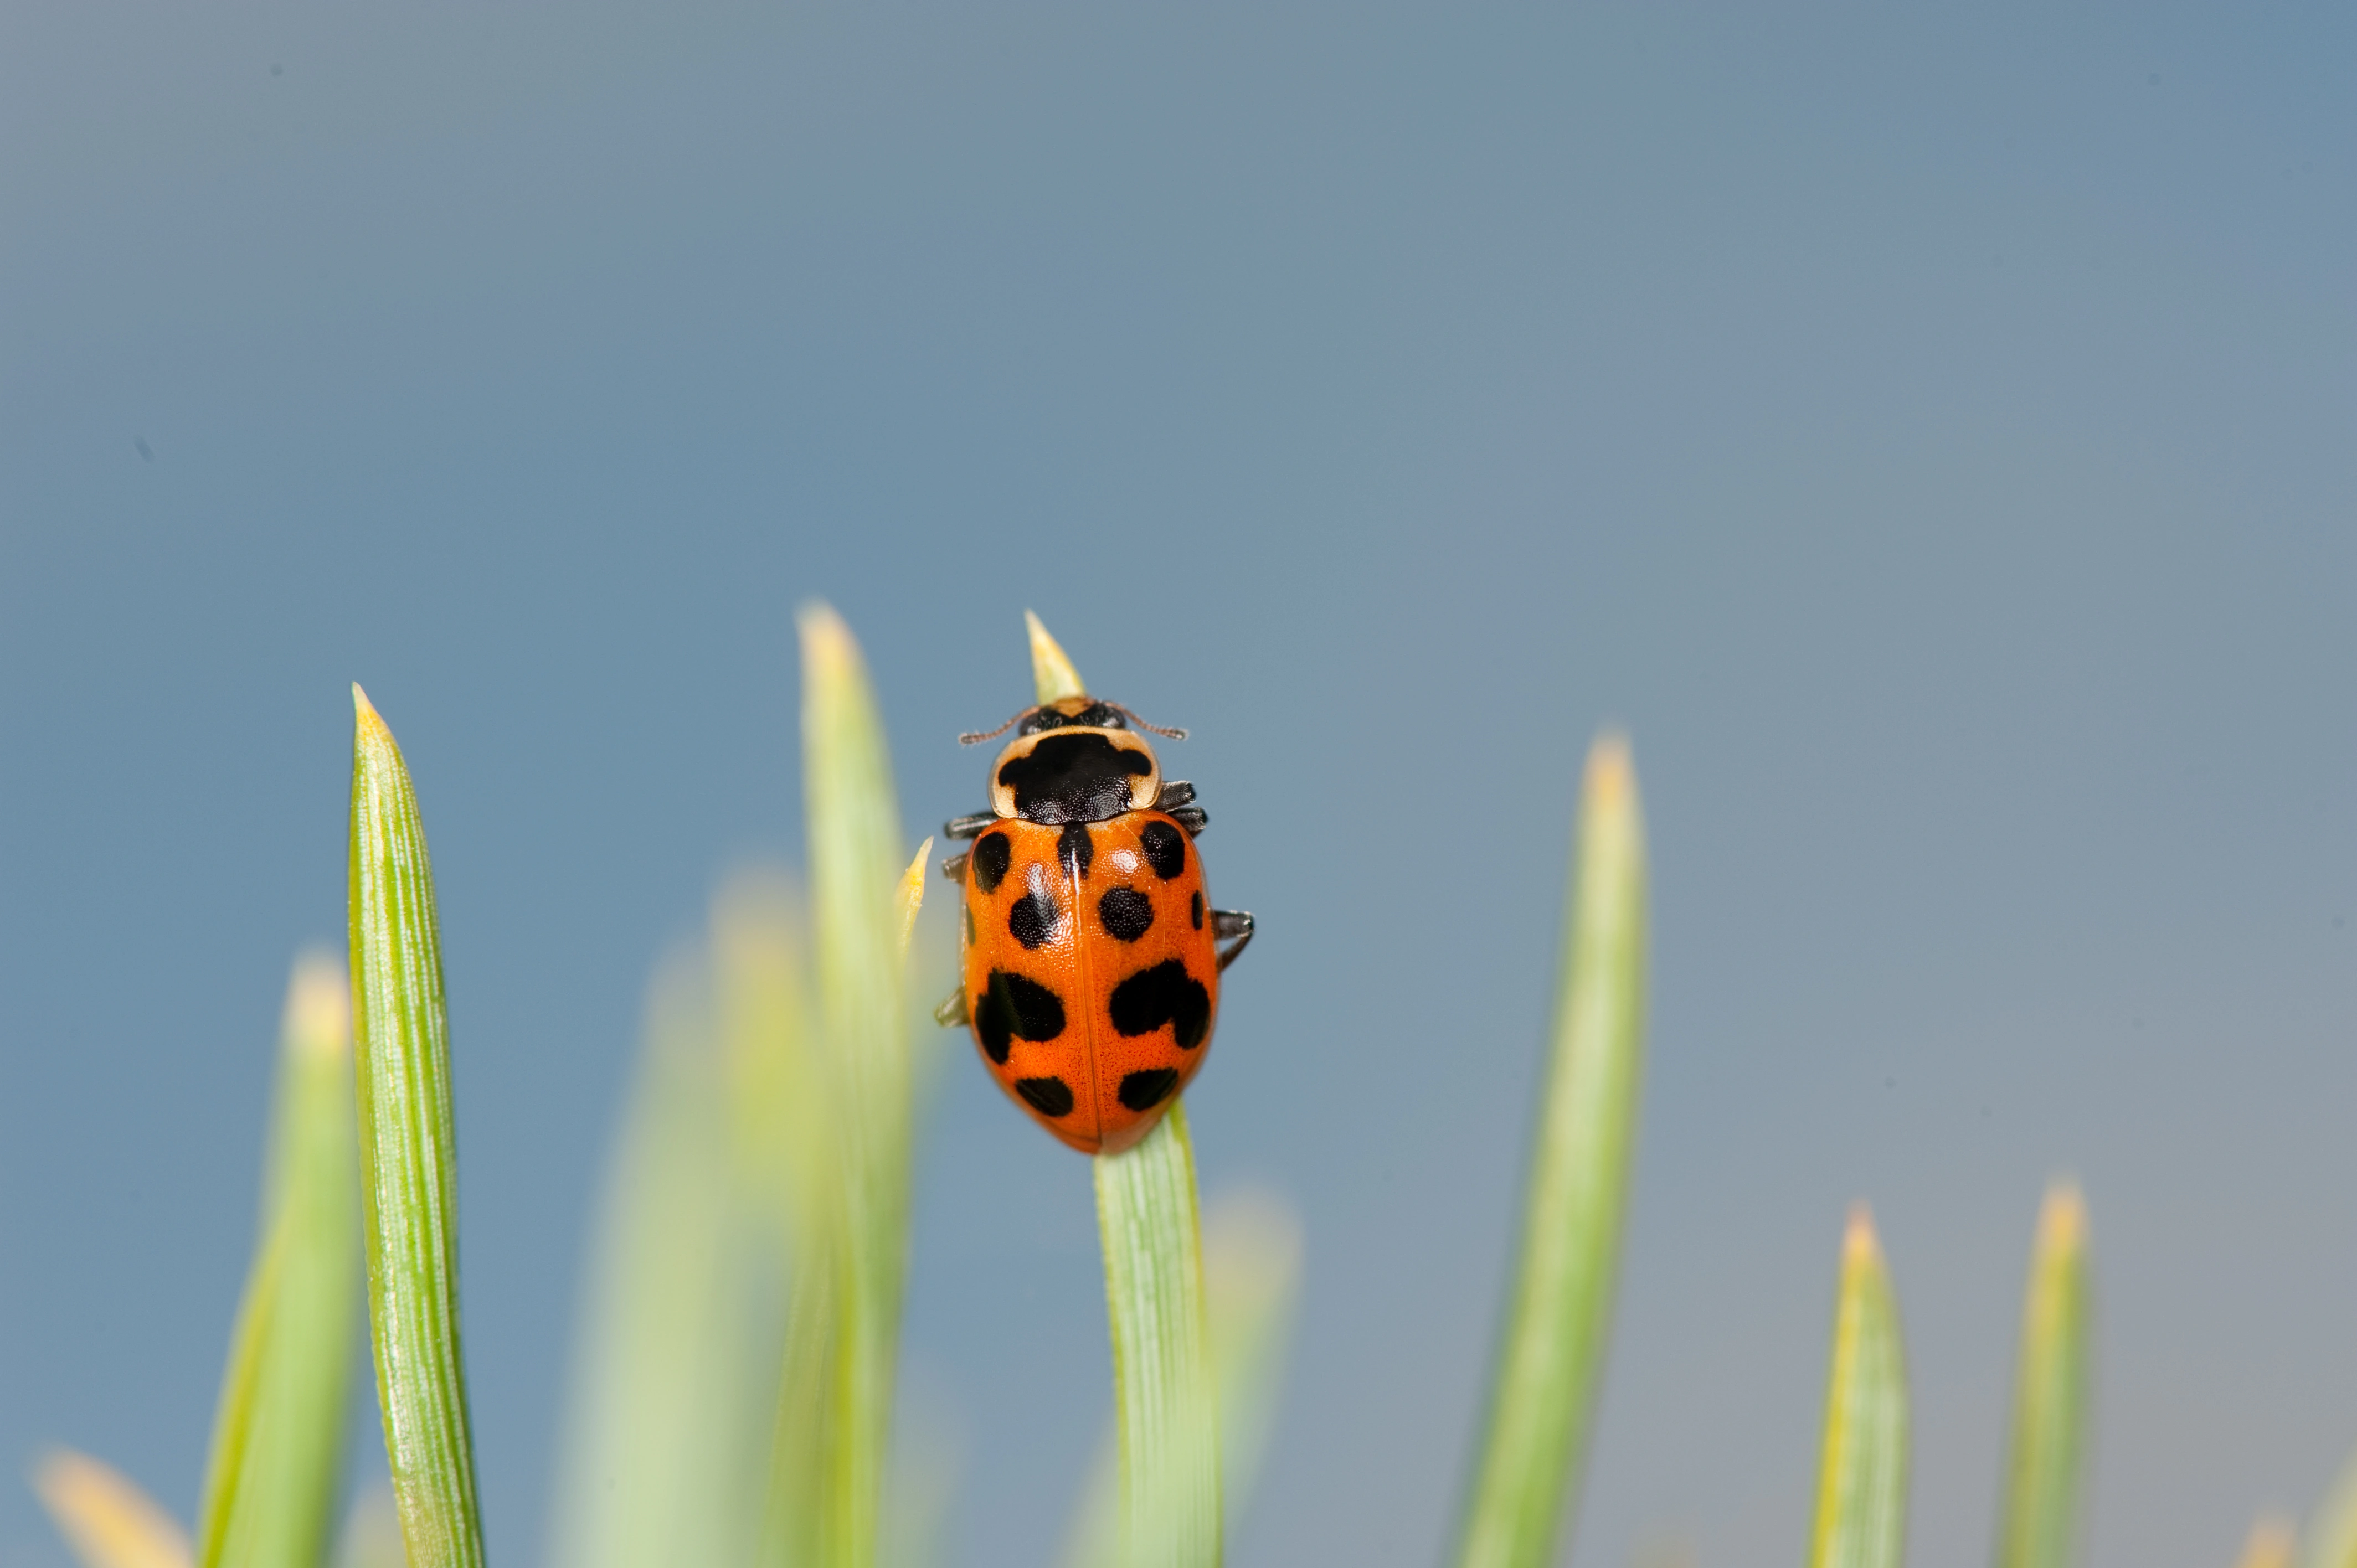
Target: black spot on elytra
{"x":1073,"y":848}
{"x":1194,"y":910}
{"x":1077,"y":778}
{"x":992,"y":851}
{"x":1032,"y":919}
{"x":1165,"y":847}
{"x":1127,"y":914}
{"x":1145,"y":1090}
{"x":1013,"y":1009}
{"x":1048,"y":1096}
{"x":1165,"y":994}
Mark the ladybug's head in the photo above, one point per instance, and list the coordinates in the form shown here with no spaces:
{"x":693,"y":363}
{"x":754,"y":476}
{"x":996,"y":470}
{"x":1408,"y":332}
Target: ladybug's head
{"x":1074,"y":760}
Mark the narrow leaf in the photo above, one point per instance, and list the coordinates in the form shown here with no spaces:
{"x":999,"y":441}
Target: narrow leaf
{"x":272,"y":1476}
{"x":663,"y":1449}
{"x":1251,"y":1277}
{"x":856,"y":859}
{"x":408,"y":1159}
{"x":1052,"y":671}
{"x":1551,"y":1351}
{"x":1862,"y":1479}
{"x":1164,"y":1389}
{"x":910,"y":894}
{"x":107,"y":1520}
{"x":2038,"y":1527}
{"x":2333,"y":1532}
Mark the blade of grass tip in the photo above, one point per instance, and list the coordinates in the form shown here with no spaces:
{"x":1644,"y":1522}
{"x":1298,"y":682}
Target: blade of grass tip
{"x":1165,"y":1391}
{"x":272,"y":1476}
{"x":2038,"y":1525}
{"x":2271,"y":1545}
{"x":1862,"y":1479}
{"x":663,"y":1456}
{"x":910,"y":894}
{"x":1251,"y":1277}
{"x":856,"y":851}
{"x":2332,"y":1533}
{"x":1551,"y":1350}
{"x":105,"y":1516}
{"x":408,"y":1160}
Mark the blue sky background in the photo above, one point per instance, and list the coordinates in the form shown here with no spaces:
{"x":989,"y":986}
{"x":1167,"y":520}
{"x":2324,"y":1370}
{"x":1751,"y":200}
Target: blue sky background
{"x":1930,"y":435}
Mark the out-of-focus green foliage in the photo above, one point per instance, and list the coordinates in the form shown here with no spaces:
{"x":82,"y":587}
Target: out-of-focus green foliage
{"x":1551,"y":1350}
{"x":408,"y":1157}
{"x":2333,"y":1532}
{"x":1862,"y":1477}
{"x":2038,"y":1526}
{"x":272,"y":1479}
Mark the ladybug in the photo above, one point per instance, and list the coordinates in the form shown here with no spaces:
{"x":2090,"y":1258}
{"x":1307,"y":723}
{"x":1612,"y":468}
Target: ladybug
{"x":1091,"y":957}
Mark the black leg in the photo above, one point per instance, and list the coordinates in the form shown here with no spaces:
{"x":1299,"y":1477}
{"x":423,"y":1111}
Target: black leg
{"x":954,"y":867}
{"x":952,"y":1011}
{"x":967,"y":827}
{"x":1176,"y":792}
{"x":1194,"y":818}
{"x":1236,"y":923}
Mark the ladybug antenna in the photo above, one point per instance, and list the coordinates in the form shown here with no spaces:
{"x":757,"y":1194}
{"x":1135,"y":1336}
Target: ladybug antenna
{"x":974,"y":737}
{"x":1172,"y":732}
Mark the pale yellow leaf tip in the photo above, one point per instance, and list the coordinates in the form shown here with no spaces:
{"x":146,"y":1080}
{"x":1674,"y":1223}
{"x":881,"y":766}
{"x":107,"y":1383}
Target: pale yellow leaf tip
{"x":2062,"y":1219}
{"x":1611,"y":772}
{"x":1861,"y":1249}
{"x":912,"y":892}
{"x":1052,"y":671}
{"x":319,"y":1004}
{"x":109,"y":1520}
{"x":365,"y":717}
{"x":830,"y":652}
{"x":2271,"y":1545}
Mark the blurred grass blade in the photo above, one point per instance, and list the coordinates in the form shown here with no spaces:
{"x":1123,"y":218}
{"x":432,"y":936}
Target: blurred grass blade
{"x":855,"y":860}
{"x":109,"y":1521}
{"x":1164,"y":1389}
{"x":371,"y":1537}
{"x":408,"y":1160}
{"x":663,"y":1447}
{"x":1252,"y":1278}
{"x":1551,"y":1352}
{"x":2039,"y":1528}
{"x":2271,"y":1545}
{"x":1052,"y":674}
{"x":272,"y":1477}
{"x":1862,"y":1481}
{"x":2332,"y":1533}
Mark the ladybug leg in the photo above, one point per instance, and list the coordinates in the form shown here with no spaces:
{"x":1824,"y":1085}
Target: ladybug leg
{"x":1176,"y":792}
{"x":1236,"y":923}
{"x":952,"y":1011}
{"x":967,"y":827}
{"x":954,"y":867}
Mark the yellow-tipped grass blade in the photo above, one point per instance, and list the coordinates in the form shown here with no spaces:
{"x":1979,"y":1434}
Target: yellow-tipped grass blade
{"x":2271,"y":1545}
{"x":1862,"y":1476}
{"x":408,"y":1156}
{"x":272,"y":1477}
{"x":1165,"y":1390}
{"x":107,"y":1520}
{"x":2038,"y":1527}
{"x":1551,"y":1351}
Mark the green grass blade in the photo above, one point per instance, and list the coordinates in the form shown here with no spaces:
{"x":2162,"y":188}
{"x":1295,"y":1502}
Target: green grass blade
{"x":1862,"y":1479}
{"x":105,"y":1516}
{"x":2038,"y":1526}
{"x":1164,"y":1389}
{"x":856,"y":855}
{"x":408,"y":1160}
{"x":2332,"y":1533}
{"x":663,"y":1456}
{"x":272,"y":1477}
{"x":1551,"y":1352}
{"x":1251,"y":1277}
